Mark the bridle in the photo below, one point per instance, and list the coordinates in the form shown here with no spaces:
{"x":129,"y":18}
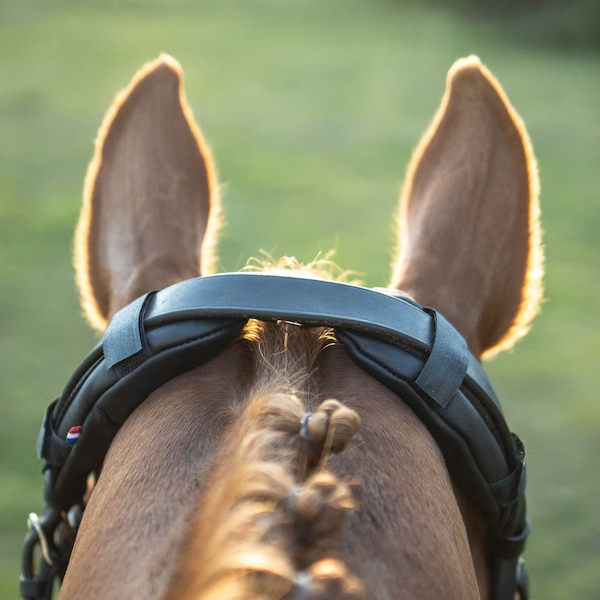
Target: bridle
{"x":413,"y":350}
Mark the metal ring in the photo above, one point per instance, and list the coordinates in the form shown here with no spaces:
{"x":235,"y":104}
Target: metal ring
{"x":33,"y":522}
{"x":74,"y":517}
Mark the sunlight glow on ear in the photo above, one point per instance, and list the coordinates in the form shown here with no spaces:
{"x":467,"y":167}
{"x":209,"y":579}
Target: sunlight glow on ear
{"x":103,"y":289}
{"x":533,"y":287}
{"x":473,"y":107}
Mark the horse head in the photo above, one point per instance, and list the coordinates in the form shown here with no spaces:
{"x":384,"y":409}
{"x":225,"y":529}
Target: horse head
{"x":282,"y":456}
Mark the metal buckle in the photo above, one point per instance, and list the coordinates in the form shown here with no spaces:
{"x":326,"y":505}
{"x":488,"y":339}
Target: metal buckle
{"x":54,"y":534}
{"x":522,"y":580}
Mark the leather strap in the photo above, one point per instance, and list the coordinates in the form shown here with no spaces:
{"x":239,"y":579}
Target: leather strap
{"x":415,"y":352}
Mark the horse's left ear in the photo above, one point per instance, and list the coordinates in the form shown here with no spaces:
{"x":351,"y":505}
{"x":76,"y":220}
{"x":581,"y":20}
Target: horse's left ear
{"x":469,"y":220}
{"x":149,"y":196}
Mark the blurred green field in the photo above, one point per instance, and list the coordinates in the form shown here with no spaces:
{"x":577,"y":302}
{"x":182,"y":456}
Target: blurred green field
{"x":312,"y":109}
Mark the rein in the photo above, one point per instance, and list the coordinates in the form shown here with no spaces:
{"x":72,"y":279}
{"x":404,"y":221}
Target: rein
{"x":412,"y":350}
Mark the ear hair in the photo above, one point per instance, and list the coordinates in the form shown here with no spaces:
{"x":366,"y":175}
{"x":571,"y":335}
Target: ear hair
{"x":469,"y":232}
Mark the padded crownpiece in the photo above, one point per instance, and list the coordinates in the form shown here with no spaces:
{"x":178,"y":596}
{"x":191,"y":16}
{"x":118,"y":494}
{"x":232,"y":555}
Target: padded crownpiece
{"x":414,"y":351}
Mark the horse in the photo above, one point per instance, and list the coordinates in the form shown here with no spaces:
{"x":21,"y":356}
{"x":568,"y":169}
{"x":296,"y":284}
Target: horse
{"x":282,"y":467}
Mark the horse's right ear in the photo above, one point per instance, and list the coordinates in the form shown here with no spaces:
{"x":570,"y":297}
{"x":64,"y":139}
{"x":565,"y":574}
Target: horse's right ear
{"x":469,"y":223}
{"x":150,"y":207}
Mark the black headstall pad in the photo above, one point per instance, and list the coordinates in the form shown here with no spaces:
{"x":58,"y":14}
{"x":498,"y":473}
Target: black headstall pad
{"x":414,"y":351}
{"x":102,"y":394}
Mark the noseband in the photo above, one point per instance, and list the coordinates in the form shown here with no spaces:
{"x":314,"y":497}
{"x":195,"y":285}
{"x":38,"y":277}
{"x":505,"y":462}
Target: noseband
{"x":412,"y":350}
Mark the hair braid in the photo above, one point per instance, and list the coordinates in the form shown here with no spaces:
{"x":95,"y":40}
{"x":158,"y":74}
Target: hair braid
{"x":265,"y":525}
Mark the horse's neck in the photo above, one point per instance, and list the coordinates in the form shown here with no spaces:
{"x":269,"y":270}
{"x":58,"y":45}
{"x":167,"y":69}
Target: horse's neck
{"x":407,"y":503}
{"x":156,"y":471}
{"x":138,"y":514}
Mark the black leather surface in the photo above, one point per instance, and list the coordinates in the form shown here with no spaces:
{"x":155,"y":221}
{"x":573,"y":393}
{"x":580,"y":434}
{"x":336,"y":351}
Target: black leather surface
{"x":414,"y":352}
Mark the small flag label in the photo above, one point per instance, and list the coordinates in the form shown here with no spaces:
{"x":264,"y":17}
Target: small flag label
{"x":73,"y":434}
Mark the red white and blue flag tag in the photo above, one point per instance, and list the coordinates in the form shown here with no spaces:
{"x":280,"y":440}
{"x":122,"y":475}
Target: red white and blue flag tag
{"x":73,"y":434}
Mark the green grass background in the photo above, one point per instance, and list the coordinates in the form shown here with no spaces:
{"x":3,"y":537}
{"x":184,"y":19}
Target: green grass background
{"x":312,"y":109}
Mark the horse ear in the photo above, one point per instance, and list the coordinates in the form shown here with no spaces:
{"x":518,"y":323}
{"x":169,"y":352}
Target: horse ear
{"x":469,"y":217}
{"x":150,"y":211}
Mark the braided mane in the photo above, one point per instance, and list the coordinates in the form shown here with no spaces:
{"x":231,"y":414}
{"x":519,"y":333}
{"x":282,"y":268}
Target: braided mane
{"x":266,"y":526}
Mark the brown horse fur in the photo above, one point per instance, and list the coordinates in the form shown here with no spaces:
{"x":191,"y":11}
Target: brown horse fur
{"x":474,"y":174}
{"x":212,"y":488}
